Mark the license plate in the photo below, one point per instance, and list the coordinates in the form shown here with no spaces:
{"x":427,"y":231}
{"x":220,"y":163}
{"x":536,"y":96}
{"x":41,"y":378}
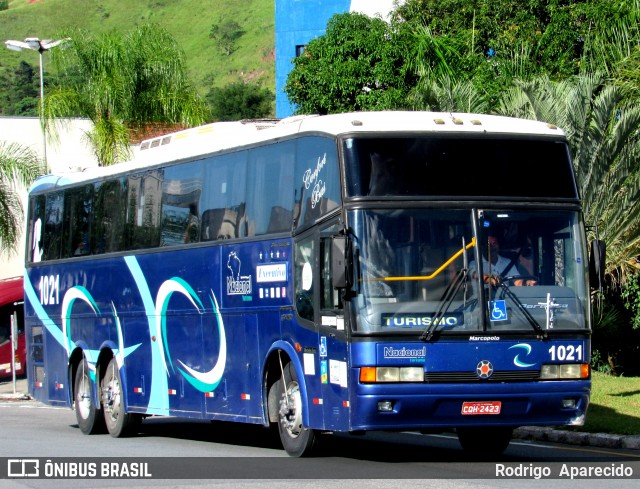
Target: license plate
{"x":484,"y":407}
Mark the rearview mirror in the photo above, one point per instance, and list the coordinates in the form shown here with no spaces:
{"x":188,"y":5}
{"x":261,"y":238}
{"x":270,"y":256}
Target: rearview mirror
{"x":339,"y":262}
{"x":597,"y":262}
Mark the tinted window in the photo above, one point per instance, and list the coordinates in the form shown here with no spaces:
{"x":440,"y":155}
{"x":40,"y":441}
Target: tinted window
{"x":304,"y":268}
{"x":270,"y":189}
{"x":243,"y":194}
{"x":317,"y":183}
{"x":222,"y":205}
{"x":109,"y":215}
{"x":181,"y":192}
{"x":447,"y":166}
{"x":78,"y":213}
{"x":35,"y":240}
{"x":52,"y":232}
{"x":142,"y":229}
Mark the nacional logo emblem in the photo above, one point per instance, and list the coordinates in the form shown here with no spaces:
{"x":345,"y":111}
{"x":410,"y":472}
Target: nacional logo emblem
{"x":237,"y":284}
{"x":484,"y":370}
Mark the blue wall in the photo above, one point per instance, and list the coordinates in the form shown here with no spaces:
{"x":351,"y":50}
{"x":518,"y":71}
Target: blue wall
{"x":298,"y":22}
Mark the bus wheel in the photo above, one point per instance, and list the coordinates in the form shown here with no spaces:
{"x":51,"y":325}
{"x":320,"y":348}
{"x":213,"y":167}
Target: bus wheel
{"x":485,"y":442}
{"x":297,"y":440}
{"x":119,"y":423}
{"x":89,"y":416}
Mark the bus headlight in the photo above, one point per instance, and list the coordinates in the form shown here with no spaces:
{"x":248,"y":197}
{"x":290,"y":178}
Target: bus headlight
{"x":565,"y":371}
{"x":391,"y":374}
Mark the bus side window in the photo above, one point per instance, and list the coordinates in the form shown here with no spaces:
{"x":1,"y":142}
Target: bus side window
{"x":304,"y":270}
{"x":330,"y":297}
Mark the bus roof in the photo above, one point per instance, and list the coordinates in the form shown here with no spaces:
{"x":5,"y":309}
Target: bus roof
{"x":220,"y":136}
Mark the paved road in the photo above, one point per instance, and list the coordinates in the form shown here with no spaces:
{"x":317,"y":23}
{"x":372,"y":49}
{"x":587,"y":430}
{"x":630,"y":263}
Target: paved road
{"x":196,"y":453}
{"x":19,"y":391}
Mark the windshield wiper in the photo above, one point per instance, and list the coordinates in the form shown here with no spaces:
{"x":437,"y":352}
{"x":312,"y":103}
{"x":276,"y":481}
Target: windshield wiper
{"x":449,"y":295}
{"x":532,"y":321}
{"x":461,"y":279}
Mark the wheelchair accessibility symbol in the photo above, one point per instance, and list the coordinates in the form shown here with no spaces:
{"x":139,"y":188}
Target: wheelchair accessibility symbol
{"x":498,"y":310}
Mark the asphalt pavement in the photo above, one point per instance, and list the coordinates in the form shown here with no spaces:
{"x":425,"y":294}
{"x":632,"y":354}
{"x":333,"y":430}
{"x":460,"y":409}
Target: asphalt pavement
{"x":18,"y":391}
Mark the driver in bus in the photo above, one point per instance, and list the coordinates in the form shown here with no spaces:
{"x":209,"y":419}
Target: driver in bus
{"x":496,"y":267}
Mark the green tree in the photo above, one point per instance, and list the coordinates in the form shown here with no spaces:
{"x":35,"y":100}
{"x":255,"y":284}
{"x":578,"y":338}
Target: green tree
{"x":19,"y":166}
{"x":358,"y":64}
{"x":556,"y":32}
{"x":225,"y":35}
{"x":489,"y":43}
{"x":20,"y":91}
{"x":240,"y":100}
{"x":26,"y":90}
{"x":121,"y":83}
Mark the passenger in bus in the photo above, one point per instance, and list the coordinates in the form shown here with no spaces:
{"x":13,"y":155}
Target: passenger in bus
{"x":525,"y":263}
{"x":80,"y":248}
{"x":192,"y":229}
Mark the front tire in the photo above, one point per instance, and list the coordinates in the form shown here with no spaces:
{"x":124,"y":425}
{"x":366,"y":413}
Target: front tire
{"x":119,"y":423}
{"x":89,"y":416}
{"x":297,"y":440}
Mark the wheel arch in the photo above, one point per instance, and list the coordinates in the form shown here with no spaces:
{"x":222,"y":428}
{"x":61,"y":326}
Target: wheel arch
{"x":76,"y":357}
{"x":281,"y":351}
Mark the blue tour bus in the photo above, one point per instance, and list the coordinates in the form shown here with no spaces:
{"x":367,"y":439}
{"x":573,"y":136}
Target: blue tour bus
{"x":341,"y":273}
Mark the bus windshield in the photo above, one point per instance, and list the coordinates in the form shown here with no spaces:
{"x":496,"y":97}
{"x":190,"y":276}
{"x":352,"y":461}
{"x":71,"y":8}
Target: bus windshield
{"x":423,"y":270}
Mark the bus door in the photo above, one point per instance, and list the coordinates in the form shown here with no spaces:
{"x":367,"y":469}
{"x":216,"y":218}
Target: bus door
{"x":333,"y":350}
{"x":319,"y":310}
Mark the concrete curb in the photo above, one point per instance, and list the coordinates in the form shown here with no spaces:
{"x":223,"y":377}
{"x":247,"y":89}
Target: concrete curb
{"x":17,"y":396}
{"x":604,"y":440}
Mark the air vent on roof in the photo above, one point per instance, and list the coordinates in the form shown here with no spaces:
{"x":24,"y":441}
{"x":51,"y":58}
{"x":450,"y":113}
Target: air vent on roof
{"x":261,"y":123}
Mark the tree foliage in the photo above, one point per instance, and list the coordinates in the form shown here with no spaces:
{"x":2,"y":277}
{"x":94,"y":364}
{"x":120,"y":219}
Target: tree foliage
{"x":432,"y":44}
{"x":225,"y":35}
{"x":359,"y":64}
{"x":20,"y":91}
{"x":240,"y":101}
{"x":19,"y":166}
{"x":122,"y":82}
{"x":602,"y":130}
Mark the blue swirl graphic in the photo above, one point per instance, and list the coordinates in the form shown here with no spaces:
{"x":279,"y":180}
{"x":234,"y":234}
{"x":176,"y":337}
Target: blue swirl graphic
{"x":527,"y":350}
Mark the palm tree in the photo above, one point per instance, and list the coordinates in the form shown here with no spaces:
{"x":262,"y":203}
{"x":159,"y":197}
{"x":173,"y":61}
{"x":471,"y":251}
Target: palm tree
{"x":122,"y":83}
{"x":453,"y":77}
{"x":19,"y":166}
{"x":603,"y":132}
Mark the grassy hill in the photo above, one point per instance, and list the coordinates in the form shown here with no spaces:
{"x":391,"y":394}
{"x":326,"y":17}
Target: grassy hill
{"x":189,"y":21}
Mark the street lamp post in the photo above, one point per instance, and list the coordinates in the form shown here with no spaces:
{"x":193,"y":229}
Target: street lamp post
{"x":36,"y":44}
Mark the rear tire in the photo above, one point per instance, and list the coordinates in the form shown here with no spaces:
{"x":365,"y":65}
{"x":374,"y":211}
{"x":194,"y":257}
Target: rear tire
{"x":485,"y":442}
{"x":119,"y":423}
{"x":297,"y":440}
{"x":89,"y":416}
